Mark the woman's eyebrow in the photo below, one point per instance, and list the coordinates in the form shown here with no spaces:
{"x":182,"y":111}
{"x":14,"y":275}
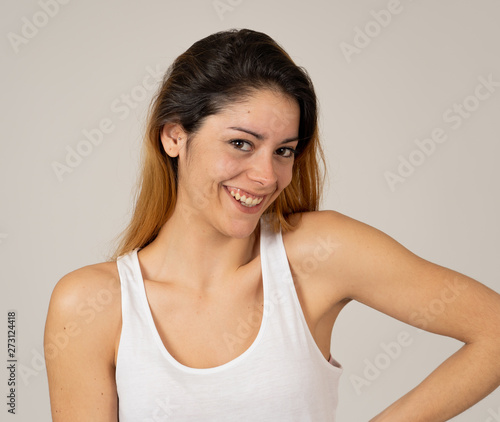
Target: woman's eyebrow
{"x":261,"y":137}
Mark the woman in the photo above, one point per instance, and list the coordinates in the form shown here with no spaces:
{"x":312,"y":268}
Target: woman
{"x":228,"y":281}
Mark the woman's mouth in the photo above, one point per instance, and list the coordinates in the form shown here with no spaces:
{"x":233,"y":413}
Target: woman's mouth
{"x":244,"y":198}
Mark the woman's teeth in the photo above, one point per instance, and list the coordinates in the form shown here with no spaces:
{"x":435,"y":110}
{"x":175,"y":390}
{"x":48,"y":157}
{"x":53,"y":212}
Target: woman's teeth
{"x":246,"y":201}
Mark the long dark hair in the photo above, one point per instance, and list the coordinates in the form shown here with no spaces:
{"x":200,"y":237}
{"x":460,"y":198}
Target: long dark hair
{"x":220,"y":69}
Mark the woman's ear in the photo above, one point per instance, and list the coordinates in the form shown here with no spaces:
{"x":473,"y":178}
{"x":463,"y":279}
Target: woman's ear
{"x":173,"y":138}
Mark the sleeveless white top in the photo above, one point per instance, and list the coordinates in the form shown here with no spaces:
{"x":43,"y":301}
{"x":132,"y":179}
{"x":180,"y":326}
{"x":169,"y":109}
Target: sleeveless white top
{"x":282,"y":376}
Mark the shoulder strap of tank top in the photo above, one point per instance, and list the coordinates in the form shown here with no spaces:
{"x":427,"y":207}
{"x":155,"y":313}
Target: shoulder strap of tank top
{"x":132,"y":286}
{"x":273,"y":254}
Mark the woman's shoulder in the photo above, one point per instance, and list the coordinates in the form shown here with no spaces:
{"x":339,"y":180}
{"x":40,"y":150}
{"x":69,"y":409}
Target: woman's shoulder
{"x":313,"y":248}
{"x":88,"y":281}
{"x":82,"y":333}
{"x":90,"y":295}
{"x":309,"y":227}
{"x":321,"y":235}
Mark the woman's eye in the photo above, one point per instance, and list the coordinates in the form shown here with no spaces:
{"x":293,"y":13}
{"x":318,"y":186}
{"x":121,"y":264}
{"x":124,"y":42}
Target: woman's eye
{"x":241,"y":145}
{"x":285,"y":152}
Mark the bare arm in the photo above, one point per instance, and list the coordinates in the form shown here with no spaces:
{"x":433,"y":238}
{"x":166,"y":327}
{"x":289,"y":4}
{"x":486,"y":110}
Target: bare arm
{"x":372,"y":268}
{"x":81,"y":332}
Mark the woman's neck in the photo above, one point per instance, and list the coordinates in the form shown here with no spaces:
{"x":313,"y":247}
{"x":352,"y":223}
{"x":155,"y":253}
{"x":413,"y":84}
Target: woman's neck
{"x":203,"y":258}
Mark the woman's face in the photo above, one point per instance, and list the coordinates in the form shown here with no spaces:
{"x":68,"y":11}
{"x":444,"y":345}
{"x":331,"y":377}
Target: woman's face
{"x":238,"y":163}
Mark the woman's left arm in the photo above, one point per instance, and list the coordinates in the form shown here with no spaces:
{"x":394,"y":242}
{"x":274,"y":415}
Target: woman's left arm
{"x":372,"y":268}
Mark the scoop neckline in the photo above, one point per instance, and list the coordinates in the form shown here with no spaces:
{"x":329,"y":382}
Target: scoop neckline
{"x":159,"y":342}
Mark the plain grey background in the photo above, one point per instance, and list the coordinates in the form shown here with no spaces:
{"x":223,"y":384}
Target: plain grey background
{"x":384,"y":80}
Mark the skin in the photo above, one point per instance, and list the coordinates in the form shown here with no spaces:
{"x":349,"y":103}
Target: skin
{"x":210,"y":295}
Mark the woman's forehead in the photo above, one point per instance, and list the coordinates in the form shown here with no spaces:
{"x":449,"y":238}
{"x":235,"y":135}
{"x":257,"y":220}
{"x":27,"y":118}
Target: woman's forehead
{"x":265,"y":110}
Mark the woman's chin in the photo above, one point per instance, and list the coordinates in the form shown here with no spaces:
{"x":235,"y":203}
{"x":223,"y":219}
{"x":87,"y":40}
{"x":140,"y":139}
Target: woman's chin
{"x":241,"y":229}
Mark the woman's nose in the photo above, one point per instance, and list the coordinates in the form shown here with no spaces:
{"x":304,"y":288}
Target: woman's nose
{"x":262,"y":170}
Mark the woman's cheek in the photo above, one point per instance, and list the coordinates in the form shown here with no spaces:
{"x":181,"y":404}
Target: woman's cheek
{"x":227,"y":167}
{"x":287,"y":178}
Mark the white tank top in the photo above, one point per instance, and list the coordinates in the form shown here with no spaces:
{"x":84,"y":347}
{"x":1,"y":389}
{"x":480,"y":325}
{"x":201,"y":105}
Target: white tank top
{"x":282,"y":376}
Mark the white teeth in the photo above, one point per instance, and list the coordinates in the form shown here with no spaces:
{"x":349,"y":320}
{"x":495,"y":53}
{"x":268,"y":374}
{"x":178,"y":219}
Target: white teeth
{"x":247,"y":202}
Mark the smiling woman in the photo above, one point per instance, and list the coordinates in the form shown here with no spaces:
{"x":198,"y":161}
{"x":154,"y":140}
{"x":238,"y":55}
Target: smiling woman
{"x":218,"y":74}
{"x":252,"y":161}
{"x":225,"y":288}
